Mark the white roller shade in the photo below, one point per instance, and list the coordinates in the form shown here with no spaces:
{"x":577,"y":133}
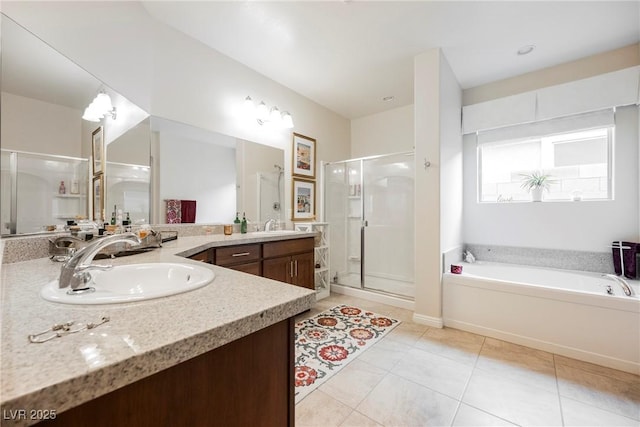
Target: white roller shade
{"x":595,"y":93}
{"x":596,"y":119}
{"x":500,"y":112}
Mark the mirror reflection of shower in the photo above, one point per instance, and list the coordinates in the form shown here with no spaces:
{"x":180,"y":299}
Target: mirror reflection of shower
{"x":270,"y":194}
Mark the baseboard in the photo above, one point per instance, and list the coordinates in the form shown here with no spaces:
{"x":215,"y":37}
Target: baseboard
{"x":373,"y":296}
{"x":574,"y":353}
{"x":434,"y":322}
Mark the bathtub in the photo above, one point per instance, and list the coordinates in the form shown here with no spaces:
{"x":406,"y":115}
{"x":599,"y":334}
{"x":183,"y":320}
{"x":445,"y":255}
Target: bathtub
{"x":561,"y":311}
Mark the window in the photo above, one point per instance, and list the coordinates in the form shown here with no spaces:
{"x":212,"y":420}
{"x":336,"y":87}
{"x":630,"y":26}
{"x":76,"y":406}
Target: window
{"x":578,"y":162}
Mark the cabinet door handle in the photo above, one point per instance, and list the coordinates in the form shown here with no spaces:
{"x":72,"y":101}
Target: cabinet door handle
{"x":291,"y":268}
{"x":241,"y":254}
{"x":296,"y":263}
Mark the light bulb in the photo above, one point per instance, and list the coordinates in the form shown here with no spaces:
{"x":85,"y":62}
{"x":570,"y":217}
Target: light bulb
{"x":103,"y":103}
{"x":274,"y":116}
{"x":287,"y":120}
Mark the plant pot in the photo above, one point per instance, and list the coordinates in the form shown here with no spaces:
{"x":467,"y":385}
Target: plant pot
{"x":536,"y":194}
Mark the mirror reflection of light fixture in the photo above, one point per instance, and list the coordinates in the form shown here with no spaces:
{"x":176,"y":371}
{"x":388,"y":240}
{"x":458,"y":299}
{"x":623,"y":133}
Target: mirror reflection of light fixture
{"x":100,"y":107}
{"x":265,"y":115}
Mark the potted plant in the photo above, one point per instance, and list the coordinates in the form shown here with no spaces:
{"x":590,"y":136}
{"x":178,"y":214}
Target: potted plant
{"x":535,"y":183}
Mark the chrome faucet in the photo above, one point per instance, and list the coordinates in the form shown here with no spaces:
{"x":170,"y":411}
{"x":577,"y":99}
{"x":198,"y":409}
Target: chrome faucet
{"x":270,"y":223}
{"x":75,"y":272}
{"x":628,"y":291}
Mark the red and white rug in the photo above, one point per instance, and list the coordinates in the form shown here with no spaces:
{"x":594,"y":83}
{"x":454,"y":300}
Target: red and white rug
{"x":330,"y":340}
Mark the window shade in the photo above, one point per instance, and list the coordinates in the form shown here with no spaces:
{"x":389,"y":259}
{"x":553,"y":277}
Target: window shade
{"x":596,"y":119}
{"x":597,"y":93}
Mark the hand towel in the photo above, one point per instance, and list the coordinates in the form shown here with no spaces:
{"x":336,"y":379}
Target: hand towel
{"x":188,"y":211}
{"x":628,"y":258}
{"x":174,"y":211}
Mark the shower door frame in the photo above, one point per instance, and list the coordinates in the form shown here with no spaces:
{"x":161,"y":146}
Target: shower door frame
{"x":363,"y":220}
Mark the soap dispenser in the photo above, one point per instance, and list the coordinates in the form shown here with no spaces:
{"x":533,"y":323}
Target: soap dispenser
{"x":243,"y":224}
{"x":237,"y":220}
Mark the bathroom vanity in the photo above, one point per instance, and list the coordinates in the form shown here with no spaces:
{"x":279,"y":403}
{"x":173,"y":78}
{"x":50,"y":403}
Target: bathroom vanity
{"x":290,"y":261}
{"x":219,"y":355}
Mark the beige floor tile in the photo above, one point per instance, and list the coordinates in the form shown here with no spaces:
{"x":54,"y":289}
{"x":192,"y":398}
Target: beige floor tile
{"x":515,"y":402}
{"x":443,"y":375}
{"x":385,"y":353}
{"x":472,"y":417}
{"x":356,"y":419}
{"x":353,"y":382}
{"x":455,"y":344}
{"x":407,"y":333}
{"x":595,"y":369}
{"x":399,"y":402}
{"x":580,"y":414}
{"x":519,"y":363}
{"x":320,"y":410}
{"x":610,"y":394}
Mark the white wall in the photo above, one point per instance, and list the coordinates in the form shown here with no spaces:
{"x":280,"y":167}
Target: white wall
{"x":209,"y":179}
{"x":450,"y":159}
{"x":383,"y":133}
{"x":46,"y":128}
{"x":437,"y":98}
{"x":584,"y":226}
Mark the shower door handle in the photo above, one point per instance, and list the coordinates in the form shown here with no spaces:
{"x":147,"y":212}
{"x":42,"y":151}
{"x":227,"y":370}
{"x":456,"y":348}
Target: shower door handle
{"x":364,"y":224}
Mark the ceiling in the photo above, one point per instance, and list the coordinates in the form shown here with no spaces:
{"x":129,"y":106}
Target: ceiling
{"x":348,"y":55}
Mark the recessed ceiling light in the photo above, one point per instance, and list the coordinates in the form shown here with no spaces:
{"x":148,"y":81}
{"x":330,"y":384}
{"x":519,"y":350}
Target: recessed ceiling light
{"x":524,"y":50}
{"x":388,"y":98}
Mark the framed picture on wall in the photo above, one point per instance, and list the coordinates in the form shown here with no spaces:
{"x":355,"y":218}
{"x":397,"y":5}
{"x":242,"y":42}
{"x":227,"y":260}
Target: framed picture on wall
{"x":98,"y":198}
{"x":304,"y":156}
{"x":304,"y":200}
{"x":97,"y":144}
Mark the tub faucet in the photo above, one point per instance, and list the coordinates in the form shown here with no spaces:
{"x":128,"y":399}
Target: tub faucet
{"x":622,"y":282}
{"x":75,"y":272}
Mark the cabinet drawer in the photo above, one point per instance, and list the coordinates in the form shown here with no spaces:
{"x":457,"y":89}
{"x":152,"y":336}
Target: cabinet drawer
{"x":254,"y":268}
{"x":237,"y":254}
{"x":287,"y":247}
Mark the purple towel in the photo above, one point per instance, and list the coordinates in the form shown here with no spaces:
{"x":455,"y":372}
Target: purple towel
{"x":628,"y":256}
{"x":188,"y":208}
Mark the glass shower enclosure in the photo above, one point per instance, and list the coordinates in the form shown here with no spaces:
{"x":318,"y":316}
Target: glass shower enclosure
{"x":369,"y":204}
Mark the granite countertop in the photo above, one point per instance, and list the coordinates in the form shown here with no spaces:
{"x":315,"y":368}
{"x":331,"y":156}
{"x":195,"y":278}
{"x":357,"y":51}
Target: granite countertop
{"x":141,"y":338}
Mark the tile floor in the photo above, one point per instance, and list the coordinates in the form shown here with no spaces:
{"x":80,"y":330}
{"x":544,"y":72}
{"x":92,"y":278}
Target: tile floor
{"x":421,"y":376}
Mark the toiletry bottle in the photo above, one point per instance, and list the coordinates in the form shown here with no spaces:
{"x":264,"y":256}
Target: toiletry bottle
{"x":62,"y":189}
{"x":75,"y":187}
{"x":243,"y":224}
{"x":113,"y":215}
{"x":237,"y":220}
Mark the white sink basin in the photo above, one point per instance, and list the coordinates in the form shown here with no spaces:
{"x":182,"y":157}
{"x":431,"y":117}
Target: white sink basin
{"x":134,"y":282}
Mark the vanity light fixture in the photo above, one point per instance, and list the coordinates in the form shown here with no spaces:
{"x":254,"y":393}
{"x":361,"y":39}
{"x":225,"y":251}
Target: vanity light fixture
{"x":100,"y":107}
{"x":265,"y":115}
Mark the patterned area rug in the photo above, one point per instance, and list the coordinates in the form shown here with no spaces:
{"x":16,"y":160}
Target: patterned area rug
{"x":327,"y":342}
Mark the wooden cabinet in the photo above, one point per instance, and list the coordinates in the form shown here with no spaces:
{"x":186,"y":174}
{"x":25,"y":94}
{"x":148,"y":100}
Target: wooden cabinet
{"x":204,"y":256}
{"x":248,"y":382}
{"x":244,"y":258}
{"x":289,"y":261}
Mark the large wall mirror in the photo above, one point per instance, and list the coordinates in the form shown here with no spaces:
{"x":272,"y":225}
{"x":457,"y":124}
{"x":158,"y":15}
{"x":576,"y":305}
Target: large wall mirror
{"x":47,"y":177}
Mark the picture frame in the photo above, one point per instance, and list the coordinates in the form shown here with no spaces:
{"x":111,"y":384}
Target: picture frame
{"x":303,"y":200}
{"x":304,"y":156}
{"x":97,"y":197}
{"x":97,"y":150}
